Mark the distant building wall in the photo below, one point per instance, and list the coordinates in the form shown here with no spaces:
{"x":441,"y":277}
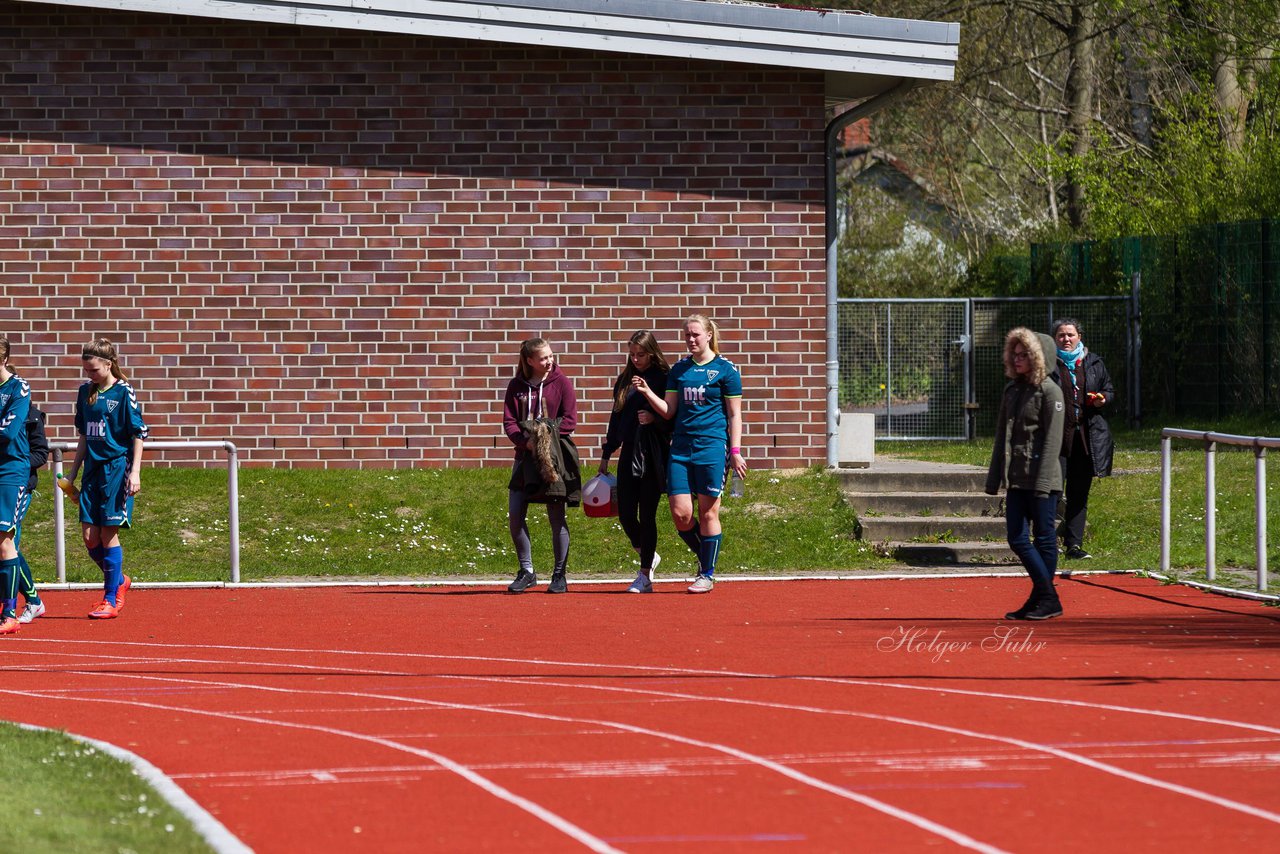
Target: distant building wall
{"x":327,"y":245}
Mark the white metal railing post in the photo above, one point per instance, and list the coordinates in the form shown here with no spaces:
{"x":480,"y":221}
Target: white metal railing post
{"x":1166,"y":479}
{"x":1260,"y":444}
{"x":1210,"y":509}
{"x":233,"y":508}
{"x":1260,"y":510}
{"x":59,"y":521}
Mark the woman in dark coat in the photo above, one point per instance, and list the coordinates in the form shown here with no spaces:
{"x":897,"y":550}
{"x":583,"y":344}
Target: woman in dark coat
{"x":644,"y":440}
{"x":1087,"y":445}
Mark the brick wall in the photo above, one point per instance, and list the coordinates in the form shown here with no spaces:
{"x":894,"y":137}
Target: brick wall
{"x":326,"y":246}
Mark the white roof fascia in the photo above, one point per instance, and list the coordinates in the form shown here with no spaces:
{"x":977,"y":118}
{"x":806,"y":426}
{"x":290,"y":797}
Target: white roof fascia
{"x":835,"y":42}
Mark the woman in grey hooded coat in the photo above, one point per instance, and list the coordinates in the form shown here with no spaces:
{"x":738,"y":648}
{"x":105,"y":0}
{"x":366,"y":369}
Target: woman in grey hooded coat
{"x":1024,"y":461}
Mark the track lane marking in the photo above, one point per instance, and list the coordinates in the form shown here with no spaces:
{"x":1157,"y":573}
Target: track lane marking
{"x":918,"y":821}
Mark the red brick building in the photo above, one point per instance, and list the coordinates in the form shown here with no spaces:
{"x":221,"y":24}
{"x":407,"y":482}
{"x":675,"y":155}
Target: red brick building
{"x":322,"y":233}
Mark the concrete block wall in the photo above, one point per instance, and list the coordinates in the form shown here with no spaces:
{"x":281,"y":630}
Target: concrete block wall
{"x":327,"y":245}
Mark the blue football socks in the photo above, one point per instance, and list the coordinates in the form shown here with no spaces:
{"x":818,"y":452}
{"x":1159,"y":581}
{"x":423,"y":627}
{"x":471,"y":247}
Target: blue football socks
{"x":112,"y":572}
{"x":9,"y":586}
{"x":709,"y":553}
{"x":26,"y":582}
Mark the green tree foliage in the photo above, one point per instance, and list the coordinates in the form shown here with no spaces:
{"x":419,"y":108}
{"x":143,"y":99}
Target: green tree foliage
{"x":886,"y":251}
{"x":1079,"y":119}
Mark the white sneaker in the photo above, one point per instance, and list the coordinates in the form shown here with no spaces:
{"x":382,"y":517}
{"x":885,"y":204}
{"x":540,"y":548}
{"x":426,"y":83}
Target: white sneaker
{"x":642,"y":584}
{"x":30,"y":612}
{"x":703,"y":584}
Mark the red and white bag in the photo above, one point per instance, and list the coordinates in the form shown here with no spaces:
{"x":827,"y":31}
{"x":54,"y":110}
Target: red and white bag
{"x":600,"y":496}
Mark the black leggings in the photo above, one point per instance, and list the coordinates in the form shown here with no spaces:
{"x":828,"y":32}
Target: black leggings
{"x":637,"y":511}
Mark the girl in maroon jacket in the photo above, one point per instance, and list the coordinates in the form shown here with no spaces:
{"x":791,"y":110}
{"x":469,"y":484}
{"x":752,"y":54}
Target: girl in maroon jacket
{"x":539,"y":390}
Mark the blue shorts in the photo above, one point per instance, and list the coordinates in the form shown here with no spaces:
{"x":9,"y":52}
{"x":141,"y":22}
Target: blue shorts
{"x":103,"y":498}
{"x":14,"y":501}
{"x":699,"y":473}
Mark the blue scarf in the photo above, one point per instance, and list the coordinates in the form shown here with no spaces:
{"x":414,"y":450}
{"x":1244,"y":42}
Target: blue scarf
{"x":1071,"y":358}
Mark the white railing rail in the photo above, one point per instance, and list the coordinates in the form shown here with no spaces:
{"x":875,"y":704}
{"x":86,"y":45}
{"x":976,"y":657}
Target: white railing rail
{"x":1211,"y":440}
{"x":233,"y":498}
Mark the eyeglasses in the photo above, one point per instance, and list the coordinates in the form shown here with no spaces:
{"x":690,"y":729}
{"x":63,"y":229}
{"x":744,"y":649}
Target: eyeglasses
{"x":1020,"y":354}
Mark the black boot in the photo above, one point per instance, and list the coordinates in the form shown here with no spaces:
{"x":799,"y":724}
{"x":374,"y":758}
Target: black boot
{"x":1046,"y":608}
{"x":524,"y":580}
{"x":558,"y":583}
{"x":1021,"y":613}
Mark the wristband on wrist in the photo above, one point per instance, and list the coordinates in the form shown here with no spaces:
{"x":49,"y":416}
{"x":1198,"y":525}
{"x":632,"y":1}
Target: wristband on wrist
{"x":737,"y":451}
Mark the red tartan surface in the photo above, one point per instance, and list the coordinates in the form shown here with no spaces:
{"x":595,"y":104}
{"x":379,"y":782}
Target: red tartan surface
{"x":881,"y":715}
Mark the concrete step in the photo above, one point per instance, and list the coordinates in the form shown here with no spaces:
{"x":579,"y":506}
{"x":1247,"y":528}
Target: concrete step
{"x":934,"y":554}
{"x":879,"y":529}
{"x":953,"y":479}
{"x":923,"y":503}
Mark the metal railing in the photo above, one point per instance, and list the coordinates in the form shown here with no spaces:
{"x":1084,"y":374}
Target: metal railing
{"x":233,"y":498}
{"x":1211,"y":442}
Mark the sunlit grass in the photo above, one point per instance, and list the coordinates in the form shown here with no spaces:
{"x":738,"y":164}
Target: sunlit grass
{"x":431,"y":523}
{"x":66,"y":796}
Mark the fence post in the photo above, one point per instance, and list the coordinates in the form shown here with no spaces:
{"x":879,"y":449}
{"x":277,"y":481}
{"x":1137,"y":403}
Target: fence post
{"x":1135,"y":350}
{"x":1166,"y":476}
{"x":1210,"y":509}
{"x":1260,"y":510}
{"x":59,"y":522}
{"x":233,"y":510}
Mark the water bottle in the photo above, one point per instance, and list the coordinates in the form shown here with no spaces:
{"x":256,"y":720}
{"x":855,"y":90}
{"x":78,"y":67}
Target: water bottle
{"x":67,"y":486}
{"x":735,"y":486}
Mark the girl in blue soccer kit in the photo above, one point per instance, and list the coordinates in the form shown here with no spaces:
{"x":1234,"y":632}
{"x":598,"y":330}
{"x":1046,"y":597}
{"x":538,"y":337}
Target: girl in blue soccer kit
{"x":39,"y":454}
{"x":15,"y":468}
{"x":111,"y":430}
{"x":704,"y":396}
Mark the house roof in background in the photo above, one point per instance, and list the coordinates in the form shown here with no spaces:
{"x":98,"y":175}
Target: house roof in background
{"x":860,"y":55}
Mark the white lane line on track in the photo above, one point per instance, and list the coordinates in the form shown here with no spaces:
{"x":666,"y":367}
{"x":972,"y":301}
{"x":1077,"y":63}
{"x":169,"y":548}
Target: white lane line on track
{"x":911,"y":818}
{"x":685,"y":671}
{"x":1048,"y":749}
{"x":1133,"y":776}
{"x":563,"y":825}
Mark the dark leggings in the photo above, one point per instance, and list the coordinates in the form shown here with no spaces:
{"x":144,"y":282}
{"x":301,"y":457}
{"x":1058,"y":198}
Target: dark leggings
{"x":637,"y":511}
{"x":517,"y":513}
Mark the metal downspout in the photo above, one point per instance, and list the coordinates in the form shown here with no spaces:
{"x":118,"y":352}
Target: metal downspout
{"x":831,"y":147}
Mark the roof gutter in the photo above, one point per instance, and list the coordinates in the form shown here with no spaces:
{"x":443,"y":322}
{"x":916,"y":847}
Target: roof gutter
{"x":832,"y":154}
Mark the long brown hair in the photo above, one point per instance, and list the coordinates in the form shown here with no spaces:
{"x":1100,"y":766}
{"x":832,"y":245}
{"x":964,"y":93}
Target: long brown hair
{"x":4,"y":350}
{"x":102,"y":348}
{"x":645,"y":339}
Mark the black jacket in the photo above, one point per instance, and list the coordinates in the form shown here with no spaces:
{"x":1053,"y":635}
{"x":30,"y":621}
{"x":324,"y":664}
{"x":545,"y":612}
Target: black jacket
{"x":39,"y":446}
{"x":1091,"y":426}
{"x":645,"y":448}
{"x":527,"y":478}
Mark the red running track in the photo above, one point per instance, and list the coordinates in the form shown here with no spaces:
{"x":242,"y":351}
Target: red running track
{"x":881,"y":715}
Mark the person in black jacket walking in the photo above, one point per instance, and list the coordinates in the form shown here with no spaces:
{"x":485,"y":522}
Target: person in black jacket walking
{"x":1087,"y":446}
{"x":1023,"y":460}
{"x":645,"y":441}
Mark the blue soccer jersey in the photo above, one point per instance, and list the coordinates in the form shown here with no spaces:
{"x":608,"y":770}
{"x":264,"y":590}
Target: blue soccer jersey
{"x":15,"y":453}
{"x":702,"y":394}
{"x":110,"y":423}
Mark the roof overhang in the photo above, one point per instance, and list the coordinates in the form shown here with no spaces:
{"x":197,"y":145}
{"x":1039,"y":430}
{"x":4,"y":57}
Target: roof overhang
{"x":860,"y":55}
